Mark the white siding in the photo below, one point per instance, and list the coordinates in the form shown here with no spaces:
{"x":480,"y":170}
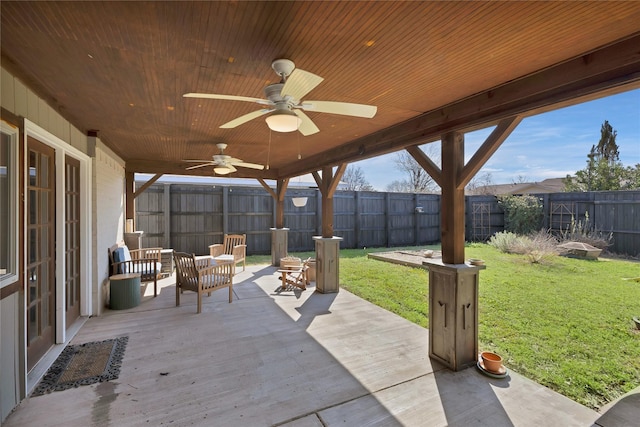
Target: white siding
{"x":104,"y":212}
{"x":10,"y":360}
{"x":109,"y":225}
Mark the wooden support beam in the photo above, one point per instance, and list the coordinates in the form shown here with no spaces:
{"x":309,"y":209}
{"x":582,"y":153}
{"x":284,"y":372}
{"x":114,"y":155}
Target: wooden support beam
{"x":281,"y":190}
{"x":269,"y":189}
{"x":452,"y":199}
{"x":335,"y":180}
{"x":486,"y":150}
{"x":129,"y":191}
{"x":427,"y":164}
{"x":327,"y":203}
{"x":278,"y":197}
{"x":327,"y":184}
{"x":147,"y":185}
{"x":611,"y":69}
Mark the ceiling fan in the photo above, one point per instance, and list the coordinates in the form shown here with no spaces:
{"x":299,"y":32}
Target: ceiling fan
{"x":223,"y":164}
{"x":284,"y":102}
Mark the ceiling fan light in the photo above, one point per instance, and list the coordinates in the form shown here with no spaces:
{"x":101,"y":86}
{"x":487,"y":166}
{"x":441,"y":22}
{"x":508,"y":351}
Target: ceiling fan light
{"x":221,"y":170}
{"x":283,"y":121}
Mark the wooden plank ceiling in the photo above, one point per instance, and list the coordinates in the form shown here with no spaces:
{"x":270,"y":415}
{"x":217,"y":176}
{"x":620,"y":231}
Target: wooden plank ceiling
{"x":121,"y":68}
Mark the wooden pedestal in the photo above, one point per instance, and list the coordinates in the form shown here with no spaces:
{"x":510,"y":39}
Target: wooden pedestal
{"x":279,"y":245}
{"x":453,"y":313}
{"x":327,"y":264}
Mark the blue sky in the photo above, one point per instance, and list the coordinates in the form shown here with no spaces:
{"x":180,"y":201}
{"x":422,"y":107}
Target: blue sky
{"x":549,"y":145}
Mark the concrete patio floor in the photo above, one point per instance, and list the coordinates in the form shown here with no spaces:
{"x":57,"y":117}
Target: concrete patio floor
{"x":291,"y":358}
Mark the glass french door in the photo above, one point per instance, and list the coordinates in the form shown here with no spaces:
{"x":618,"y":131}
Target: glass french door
{"x":72,"y":239}
{"x":40,"y":250}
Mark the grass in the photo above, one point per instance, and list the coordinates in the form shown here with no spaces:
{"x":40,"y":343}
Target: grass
{"x":565,"y":323}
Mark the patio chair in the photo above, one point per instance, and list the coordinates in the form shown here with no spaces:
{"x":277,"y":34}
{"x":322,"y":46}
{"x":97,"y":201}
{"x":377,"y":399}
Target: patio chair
{"x":296,"y":276}
{"x":234,"y":249}
{"x":202,"y":276}
{"x":145,"y":261}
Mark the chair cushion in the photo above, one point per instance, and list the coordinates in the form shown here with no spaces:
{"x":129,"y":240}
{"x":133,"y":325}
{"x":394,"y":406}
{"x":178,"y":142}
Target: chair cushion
{"x":126,"y":254}
{"x":118,"y":254}
{"x":224,"y":258}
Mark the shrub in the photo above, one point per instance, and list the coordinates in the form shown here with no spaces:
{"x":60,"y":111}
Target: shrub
{"x":504,"y":241}
{"x":582,"y":231}
{"x":522,"y":214}
{"x":537,"y":246}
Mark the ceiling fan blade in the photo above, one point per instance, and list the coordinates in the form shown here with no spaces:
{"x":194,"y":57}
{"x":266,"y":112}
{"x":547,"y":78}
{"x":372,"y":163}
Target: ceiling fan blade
{"x":198,"y":166}
{"x":244,"y":119}
{"x":197,"y":161}
{"x":230,"y":167}
{"x":248,"y":165}
{"x":344,"y":108}
{"x":300,"y":83}
{"x":227,"y":97}
{"x":307,"y":127}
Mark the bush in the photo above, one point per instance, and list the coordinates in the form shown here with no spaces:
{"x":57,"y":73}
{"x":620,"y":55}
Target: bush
{"x":537,"y":246}
{"x":504,"y":241}
{"x":522,"y":214}
{"x":582,"y":231}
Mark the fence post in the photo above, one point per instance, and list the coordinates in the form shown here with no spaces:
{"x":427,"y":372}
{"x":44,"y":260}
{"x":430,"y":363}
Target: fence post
{"x":356,"y":222}
{"x":387,"y":218}
{"x":546,"y":209}
{"x":167,"y":215}
{"x":416,"y":220}
{"x":225,"y":211}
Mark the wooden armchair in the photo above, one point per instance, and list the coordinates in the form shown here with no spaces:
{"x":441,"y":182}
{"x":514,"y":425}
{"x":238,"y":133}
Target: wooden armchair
{"x":297,"y":276}
{"x":201,"y":276}
{"x":145,"y":261}
{"x":233,"y":249}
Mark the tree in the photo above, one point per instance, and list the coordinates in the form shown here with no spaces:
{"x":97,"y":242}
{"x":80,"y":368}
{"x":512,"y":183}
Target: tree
{"x":418,"y":180}
{"x":354,"y":178}
{"x":480,"y":183}
{"x":604,"y":170}
{"x":632,"y":178}
{"x":398,"y":186}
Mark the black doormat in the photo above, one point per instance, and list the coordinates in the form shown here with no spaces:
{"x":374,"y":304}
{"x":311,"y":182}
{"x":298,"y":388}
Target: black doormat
{"x":84,"y":364}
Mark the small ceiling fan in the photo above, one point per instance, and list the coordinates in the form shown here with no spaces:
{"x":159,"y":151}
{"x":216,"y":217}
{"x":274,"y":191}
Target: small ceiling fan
{"x":284,"y":102}
{"x":223,"y":164}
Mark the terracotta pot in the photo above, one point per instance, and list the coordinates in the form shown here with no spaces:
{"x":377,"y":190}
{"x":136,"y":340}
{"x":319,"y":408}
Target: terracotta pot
{"x":492,"y":362}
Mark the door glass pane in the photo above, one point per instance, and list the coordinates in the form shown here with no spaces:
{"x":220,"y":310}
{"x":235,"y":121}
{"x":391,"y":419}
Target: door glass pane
{"x":44,"y":207}
{"x":44,"y":170}
{"x":33,"y":323}
{"x":5,"y":203}
{"x":33,"y":178}
{"x":33,"y":206}
{"x":33,"y":245}
{"x":44,"y":294}
{"x":44,"y":244}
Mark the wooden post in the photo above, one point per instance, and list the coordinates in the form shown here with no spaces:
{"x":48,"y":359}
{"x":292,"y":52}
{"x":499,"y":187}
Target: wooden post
{"x":279,"y":234}
{"x":281,"y":190}
{"x":129,"y":191}
{"x":452,"y":199}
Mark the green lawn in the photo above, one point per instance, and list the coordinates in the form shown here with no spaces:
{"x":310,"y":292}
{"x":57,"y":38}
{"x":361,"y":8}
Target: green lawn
{"x":566,"y":324}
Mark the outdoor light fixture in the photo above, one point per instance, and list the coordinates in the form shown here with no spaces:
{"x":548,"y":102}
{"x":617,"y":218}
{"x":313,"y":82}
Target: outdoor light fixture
{"x":283,"y":121}
{"x":221,"y":170}
{"x":299,"y":202}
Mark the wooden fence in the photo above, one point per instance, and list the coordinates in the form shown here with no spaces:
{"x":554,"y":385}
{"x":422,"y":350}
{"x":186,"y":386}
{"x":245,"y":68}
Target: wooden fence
{"x":190,"y":217}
